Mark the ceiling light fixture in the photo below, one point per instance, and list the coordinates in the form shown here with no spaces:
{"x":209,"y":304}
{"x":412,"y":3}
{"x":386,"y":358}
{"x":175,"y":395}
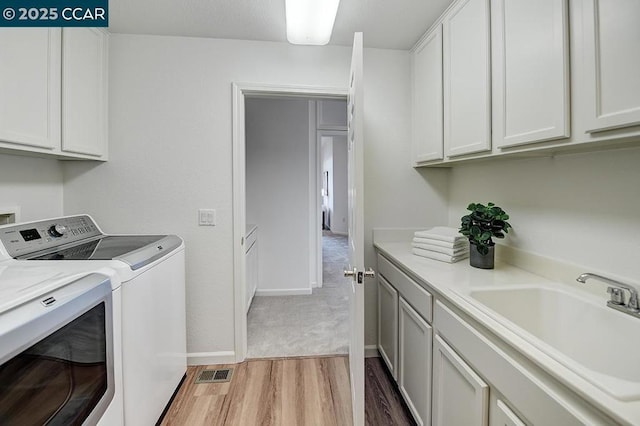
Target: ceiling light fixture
{"x":310,"y":21}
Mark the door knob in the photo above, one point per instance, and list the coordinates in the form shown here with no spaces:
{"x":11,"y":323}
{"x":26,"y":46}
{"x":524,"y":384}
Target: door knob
{"x":350,"y":272}
{"x":370,"y":273}
{"x":360,"y":276}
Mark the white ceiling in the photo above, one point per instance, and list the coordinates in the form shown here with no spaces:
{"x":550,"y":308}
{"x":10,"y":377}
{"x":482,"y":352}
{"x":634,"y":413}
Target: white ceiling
{"x":389,"y":24}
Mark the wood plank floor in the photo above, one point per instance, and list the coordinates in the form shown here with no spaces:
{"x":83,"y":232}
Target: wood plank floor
{"x":382,"y":400}
{"x":287,"y":391}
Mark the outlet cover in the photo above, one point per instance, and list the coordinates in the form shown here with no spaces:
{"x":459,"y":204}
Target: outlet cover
{"x":206,"y":217}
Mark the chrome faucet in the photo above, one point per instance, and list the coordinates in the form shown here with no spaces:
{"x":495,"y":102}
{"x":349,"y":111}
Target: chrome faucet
{"x":617,"y":294}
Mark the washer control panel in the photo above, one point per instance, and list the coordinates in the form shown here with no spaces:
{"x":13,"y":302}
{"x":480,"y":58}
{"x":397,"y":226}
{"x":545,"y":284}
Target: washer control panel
{"x":26,"y":238}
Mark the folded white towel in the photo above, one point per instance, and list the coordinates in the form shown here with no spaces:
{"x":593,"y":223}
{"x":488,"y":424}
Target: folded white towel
{"x":438,"y":256}
{"x":441,"y":233}
{"x":451,"y":252}
{"x":458,"y":244}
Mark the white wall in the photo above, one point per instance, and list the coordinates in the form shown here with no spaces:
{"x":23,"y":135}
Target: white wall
{"x":170,"y":154}
{"x":35,"y":185}
{"x":579,"y":208}
{"x":277,"y":191}
{"x":170,"y":139}
{"x":396,"y":195}
{"x":339,"y":188}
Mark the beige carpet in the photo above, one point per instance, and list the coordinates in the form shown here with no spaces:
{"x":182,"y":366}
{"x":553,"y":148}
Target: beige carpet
{"x":317,"y":324}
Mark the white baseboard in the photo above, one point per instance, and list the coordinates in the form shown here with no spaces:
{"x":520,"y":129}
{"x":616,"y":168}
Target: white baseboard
{"x":210,"y":358}
{"x":371,"y":351}
{"x":283,"y":292}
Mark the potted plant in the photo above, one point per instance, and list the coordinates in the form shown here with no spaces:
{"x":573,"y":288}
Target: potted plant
{"x":480,"y":226}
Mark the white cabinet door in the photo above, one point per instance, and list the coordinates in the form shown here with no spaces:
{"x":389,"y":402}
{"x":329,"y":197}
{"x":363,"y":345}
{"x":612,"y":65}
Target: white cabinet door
{"x":460,"y":396}
{"x":467,"y":78}
{"x":611,"y":46}
{"x":427,"y":99}
{"x":30,"y":87}
{"x":84,"y":91}
{"x":530,"y":69}
{"x":414,"y":370}
{"x":388,"y":325}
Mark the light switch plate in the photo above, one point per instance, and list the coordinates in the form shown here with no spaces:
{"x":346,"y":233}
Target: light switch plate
{"x":206,"y":217}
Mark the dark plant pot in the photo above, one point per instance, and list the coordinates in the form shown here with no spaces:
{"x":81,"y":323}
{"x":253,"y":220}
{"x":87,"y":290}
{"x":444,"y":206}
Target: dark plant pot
{"x":482,"y":261}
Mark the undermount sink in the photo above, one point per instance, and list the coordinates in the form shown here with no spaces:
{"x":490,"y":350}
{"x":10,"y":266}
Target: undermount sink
{"x":596,"y":342}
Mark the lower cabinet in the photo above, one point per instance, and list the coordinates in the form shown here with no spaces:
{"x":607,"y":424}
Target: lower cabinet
{"x":478,"y":381}
{"x":414,"y":372}
{"x":500,"y":414}
{"x":405,"y":336}
{"x":251,"y":265}
{"x":452,"y":372}
{"x":460,"y":396}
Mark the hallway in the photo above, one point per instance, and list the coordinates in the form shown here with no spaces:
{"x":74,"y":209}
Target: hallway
{"x":315,"y":324}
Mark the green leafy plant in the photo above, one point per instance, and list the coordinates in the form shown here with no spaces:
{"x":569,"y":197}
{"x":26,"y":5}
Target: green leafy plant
{"x":484,"y":223}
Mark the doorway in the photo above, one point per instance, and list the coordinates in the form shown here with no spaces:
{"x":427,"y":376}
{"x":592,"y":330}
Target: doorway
{"x":335,"y":232}
{"x":311,"y":312}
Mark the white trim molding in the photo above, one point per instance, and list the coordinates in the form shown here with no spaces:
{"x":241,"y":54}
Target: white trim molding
{"x":283,"y":292}
{"x":211,"y":358}
{"x":239,"y":91}
{"x":371,"y":351}
{"x":315,"y":233}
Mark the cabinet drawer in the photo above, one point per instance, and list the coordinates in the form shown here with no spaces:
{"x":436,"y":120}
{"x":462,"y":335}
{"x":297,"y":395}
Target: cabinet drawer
{"x":419,"y":298}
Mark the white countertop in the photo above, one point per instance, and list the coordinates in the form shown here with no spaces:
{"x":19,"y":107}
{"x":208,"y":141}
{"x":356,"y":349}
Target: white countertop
{"x":454,"y":282}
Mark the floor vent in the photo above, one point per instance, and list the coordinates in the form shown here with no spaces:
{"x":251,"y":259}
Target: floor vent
{"x":215,"y":376}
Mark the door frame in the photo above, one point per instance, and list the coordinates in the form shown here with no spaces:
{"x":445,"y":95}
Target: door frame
{"x":239,"y":92}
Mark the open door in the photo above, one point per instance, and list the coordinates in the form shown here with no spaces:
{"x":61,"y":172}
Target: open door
{"x":355,"y":143}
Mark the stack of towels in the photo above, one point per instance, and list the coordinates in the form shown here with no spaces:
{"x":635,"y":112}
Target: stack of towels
{"x":440,"y":243}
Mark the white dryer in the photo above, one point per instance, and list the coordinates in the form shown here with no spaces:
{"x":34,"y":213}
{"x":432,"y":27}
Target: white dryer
{"x":151,"y":271}
{"x":57,"y":357}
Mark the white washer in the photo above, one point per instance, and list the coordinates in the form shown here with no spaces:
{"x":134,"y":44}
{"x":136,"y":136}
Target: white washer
{"x":150,"y":269}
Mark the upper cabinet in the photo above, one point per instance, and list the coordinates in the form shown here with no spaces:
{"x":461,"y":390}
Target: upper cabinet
{"x":524,"y":77}
{"x":530,"y":71}
{"x":427,"y":98}
{"x":53,"y":92}
{"x":30,"y":88}
{"x":84,"y":91}
{"x":467,"y":78}
{"x":611,"y":43}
